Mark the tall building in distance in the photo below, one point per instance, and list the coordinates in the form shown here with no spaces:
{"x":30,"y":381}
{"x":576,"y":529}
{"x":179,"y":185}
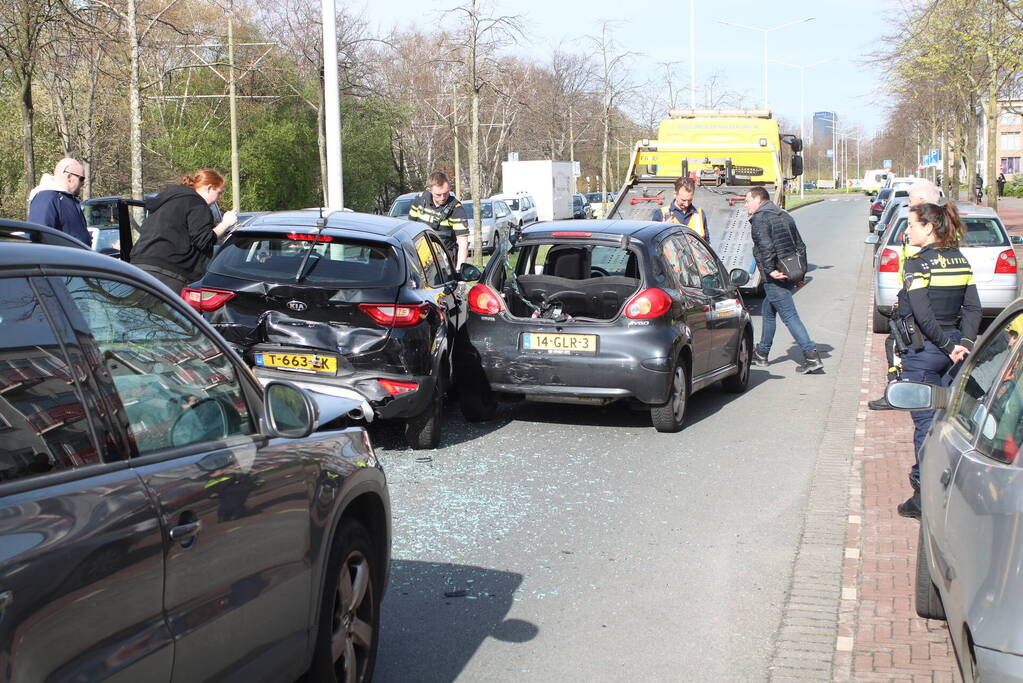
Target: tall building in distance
{"x":824,"y":123}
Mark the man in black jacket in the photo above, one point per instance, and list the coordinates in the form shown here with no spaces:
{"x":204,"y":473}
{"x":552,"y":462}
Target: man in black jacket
{"x":774,"y":237}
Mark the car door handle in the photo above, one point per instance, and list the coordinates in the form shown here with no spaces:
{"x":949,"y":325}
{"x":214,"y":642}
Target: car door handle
{"x":6,"y":598}
{"x":946,"y":477}
{"x":183,"y":532}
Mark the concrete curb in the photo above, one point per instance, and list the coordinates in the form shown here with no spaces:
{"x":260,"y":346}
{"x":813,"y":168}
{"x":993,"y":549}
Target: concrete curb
{"x":809,"y":203}
{"x":808,"y":636}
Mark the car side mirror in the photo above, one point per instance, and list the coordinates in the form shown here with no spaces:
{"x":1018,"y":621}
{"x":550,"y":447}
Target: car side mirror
{"x":874,"y":219}
{"x":1016,"y":239}
{"x":289,"y":412}
{"x":738,"y":276}
{"x":906,"y":395}
{"x":871,"y":239}
{"x":469,"y":273}
{"x":204,"y":420}
{"x":797,"y":165}
{"x":710,"y":283}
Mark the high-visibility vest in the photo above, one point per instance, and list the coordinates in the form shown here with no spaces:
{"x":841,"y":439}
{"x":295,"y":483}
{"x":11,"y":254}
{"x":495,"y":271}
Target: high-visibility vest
{"x":696,"y":222}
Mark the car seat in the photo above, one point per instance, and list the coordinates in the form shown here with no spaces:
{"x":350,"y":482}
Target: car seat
{"x":572,"y":263}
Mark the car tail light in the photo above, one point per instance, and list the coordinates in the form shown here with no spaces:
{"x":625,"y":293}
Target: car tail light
{"x":876,"y":207}
{"x":302,"y":237}
{"x":889,"y":261}
{"x":206,"y":299}
{"x":1006,"y":263}
{"x":395,"y":316}
{"x":483,"y":299}
{"x":395,"y":388}
{"x":650,"y":303}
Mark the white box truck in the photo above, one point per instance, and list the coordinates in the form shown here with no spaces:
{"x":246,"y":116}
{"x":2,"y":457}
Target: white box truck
{"x":551,"y":183}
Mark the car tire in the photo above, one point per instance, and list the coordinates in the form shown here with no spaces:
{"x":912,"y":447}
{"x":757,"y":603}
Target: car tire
{"x":880,"y":321}
{"x":737,"y":383}
{"x":349,"y":608}
{"x":928,"y":601}
{"x":423,"y":430}
{"x":671,"y":416}
{"x":477,"y":401}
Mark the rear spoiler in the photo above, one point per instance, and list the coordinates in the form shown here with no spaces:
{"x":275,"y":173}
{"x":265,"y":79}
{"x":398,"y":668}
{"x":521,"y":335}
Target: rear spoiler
{"x":39,"y":234}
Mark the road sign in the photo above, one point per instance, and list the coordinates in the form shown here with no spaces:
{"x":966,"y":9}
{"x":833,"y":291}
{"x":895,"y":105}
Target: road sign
{"x":887,"y":163}
{"x":513,"y":156}
{"x":576,"y":170}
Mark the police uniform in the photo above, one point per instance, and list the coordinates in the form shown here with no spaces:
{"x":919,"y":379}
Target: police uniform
{"x":448,"y":219}
{"x":939,"y":296}
{"x":693,"y":218}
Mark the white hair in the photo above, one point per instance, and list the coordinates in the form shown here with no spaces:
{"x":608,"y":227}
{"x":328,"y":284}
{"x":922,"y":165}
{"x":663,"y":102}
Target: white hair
{"x":925,"y":191}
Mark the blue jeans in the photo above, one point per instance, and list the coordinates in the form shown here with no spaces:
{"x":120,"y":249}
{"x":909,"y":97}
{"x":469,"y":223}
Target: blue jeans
{"x":778,"y":299}
{"x":929,"y":366}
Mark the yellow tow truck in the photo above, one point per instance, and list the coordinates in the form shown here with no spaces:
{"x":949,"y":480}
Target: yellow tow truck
{"x":726,"y":151}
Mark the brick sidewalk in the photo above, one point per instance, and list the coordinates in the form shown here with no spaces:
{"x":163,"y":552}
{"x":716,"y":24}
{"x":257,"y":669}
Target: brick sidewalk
{"x":880,"y":638}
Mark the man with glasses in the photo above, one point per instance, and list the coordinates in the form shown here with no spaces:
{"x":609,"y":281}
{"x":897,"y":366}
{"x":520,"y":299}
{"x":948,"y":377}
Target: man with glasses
{"x":54,"y":202}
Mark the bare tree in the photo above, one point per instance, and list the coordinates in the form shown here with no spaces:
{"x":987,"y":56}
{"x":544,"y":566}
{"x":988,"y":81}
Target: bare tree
{"x":615,"y":84}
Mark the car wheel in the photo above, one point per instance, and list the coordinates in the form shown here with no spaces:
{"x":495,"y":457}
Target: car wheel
{"x":880,"y":321}
{"x":477,"y":400}
{"x":737,"y":383}
{"x":349,"y":629}
{"x":670,"y":416}
{"x":423,"y":430}
{"x":928,"y":602}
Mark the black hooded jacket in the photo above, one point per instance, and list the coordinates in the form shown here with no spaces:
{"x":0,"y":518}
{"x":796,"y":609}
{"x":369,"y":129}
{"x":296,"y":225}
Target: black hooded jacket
{"x":177,"y":236}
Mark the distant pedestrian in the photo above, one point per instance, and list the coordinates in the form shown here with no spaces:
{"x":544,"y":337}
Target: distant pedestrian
{"x":1001,"y":184}
{"x":177,"y":238}
{"x":775,"y":237}
{"x":54,"y":202}
{"x":439,"y":209}
{"x":978,"y":188}
{"x":681,"y":209}
{"x":938,"y":313}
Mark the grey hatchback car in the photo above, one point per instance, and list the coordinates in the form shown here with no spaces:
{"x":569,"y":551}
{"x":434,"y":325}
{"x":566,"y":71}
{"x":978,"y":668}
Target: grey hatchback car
{"x":163,"y":517}
{"x":970,"y":552}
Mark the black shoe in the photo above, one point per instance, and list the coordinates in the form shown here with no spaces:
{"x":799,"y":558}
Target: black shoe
{"x":811,"y":362}
{"x":911,"y":507}
{"x":880,"y":404}
{"x":759,"y":358}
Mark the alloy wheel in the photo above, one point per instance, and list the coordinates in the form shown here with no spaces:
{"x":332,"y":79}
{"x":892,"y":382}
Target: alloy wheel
{"x":744,"y":360}
{"x":351,"y":625}
{"x":678,"y":383}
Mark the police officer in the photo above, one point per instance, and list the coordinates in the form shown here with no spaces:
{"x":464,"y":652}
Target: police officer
{"x":441,"y":211}
{"x":681,"y":209}
{"x":938,"y":313}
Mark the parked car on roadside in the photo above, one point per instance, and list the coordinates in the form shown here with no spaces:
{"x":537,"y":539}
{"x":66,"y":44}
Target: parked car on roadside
{"x":877,"y":207}
{"x":498,"y":222}
{"x":986,"y":245}
{"x":161,"y":513}
{"x":522,"y":206}
{"x":401,"y":205}
{"x":895,"y":203}
{"x":580,"y":207}
{"x":971,"y":485}
{"x":599,"y":203}
{"x":353,"y":305}
{"x":629,"y":311}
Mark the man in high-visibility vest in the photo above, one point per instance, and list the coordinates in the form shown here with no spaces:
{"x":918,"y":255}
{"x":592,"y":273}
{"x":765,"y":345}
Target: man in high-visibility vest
{"x":439,"y":209}
{"x":681,"y":209}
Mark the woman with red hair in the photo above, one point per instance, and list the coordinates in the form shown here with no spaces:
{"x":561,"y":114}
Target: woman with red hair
{"x":177,"y":238}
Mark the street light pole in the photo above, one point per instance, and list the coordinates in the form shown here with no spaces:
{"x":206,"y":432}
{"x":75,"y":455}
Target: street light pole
{"x":332,"y":107}
{"x":802,"y":104}
{"x":692,"y":54}
{"x":765,"y":31}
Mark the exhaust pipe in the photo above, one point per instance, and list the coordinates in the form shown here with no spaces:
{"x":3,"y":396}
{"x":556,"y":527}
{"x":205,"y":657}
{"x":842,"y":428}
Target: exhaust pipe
{"x":356,"y":414}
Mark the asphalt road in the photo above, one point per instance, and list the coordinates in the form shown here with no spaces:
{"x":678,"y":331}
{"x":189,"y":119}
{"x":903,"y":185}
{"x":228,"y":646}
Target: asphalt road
{"x":578,"y":544}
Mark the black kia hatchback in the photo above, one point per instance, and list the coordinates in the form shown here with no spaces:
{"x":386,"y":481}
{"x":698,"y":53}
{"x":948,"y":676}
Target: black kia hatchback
{"x":356,"y":305}
{"x":622,"y":310}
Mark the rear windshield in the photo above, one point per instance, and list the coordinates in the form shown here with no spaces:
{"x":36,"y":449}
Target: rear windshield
{"x":980,"y":232}
{"x":340,"y":262}
{"x":488,"y":210}
{"x":400,"y":207}
{"x":883,"y":194}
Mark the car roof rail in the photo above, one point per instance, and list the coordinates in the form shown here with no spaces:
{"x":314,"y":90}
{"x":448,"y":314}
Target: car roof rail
{"x":20,"y":231}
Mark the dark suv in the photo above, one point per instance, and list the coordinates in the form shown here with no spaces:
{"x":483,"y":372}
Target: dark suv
{"x":623,"y":310}
{"x":355,"y":305}
{"x":161,"y":513}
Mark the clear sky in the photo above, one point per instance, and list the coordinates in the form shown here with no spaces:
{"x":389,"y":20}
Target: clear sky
{"x":843,"y":31}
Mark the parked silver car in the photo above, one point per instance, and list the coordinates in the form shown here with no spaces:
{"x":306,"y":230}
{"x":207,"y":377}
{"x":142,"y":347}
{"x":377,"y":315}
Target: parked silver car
{"x":987,"y":246}
{"x":522,"y":206}
{"x":497,"y":220}
{"x":970,"y":550}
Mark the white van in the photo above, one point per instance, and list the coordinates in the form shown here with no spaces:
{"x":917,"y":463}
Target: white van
{"x":875,"y":179}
